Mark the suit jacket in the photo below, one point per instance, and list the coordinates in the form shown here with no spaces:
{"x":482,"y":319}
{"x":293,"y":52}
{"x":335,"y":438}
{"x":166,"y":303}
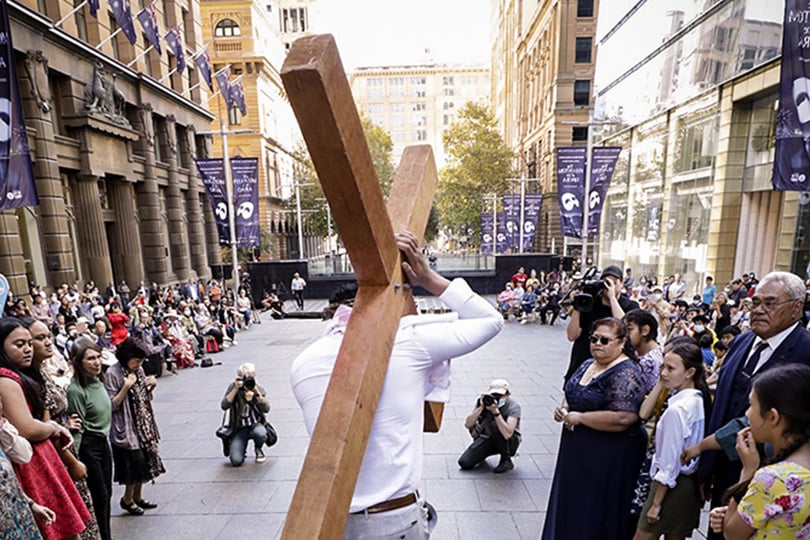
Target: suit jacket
{"x":794,"y":349}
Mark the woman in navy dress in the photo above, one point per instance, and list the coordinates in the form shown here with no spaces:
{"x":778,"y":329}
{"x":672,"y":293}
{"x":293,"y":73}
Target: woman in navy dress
{"x":602,"y":444}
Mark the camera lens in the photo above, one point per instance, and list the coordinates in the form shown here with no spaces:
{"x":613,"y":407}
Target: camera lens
{"x":488,"y":400}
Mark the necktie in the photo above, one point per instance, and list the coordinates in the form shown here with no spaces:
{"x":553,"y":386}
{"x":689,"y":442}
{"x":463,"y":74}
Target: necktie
{"x":751,"y":364}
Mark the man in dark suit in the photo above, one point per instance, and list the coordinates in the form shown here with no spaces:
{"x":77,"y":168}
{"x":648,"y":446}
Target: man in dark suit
{"x":777,"y":337}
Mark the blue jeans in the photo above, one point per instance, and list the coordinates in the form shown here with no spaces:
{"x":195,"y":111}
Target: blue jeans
{"x":240,"y":439}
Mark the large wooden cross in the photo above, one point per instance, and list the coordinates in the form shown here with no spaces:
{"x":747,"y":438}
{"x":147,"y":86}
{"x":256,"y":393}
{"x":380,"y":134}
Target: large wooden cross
{"x":320,"y":96}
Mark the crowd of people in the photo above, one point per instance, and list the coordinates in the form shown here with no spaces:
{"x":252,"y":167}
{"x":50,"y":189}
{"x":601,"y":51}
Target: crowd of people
{"x":669,"y":404}
{"x":78,"y":369}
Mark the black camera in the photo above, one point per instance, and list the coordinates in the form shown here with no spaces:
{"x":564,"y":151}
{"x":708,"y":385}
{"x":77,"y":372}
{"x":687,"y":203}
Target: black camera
{"x":248,"y":382}
{"x":487,"y":400}
{"x":588,"y":291}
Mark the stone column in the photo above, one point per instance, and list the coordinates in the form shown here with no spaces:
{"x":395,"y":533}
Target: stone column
{"x":12,"y":259}
{"x":92,"y":233}
{"x":126,"y":240}
{"x":174,"y":207}
{"x":53,"y":221}
{"x":153,"y":240}
{"x":196,"y":228}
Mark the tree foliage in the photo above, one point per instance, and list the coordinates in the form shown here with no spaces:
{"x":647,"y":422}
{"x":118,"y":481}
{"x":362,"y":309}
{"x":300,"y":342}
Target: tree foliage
{"x":478,"y":164}
{"x":313,"y":200}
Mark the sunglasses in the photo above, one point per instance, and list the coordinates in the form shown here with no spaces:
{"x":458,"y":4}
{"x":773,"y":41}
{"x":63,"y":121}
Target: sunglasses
{"x":604,"y":340}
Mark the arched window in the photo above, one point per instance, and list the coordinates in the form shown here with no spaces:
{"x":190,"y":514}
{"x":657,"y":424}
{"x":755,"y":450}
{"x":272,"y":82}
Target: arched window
{"x":227,"y":28}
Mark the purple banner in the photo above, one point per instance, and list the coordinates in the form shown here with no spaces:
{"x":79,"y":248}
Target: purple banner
{"x":791,"y":166}
{"x":212,"y":172}
{"x":245,"y":173}
{"x":532,"y":202}
{"x":604,"y":162}
{"x":570,"y":188}
{"x":17,"y":188}
{"x":487,"y":234}
{"x":511,"y":213}
{"x":501,"y":242}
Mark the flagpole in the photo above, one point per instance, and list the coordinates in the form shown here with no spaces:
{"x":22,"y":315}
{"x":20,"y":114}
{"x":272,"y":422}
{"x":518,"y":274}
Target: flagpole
{"x":169,"y":74}
{"x":212,"y":96}
{"x":69,"y":15}
{"x":108,"y":38}
{"x":144,"y":53}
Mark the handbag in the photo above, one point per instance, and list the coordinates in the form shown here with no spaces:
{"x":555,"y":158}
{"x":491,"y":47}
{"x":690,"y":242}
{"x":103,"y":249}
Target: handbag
{"x":225,"y":432}
{"x":272,"y":436}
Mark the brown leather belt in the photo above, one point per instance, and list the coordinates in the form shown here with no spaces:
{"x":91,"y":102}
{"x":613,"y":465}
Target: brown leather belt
{"x":392,"y":504}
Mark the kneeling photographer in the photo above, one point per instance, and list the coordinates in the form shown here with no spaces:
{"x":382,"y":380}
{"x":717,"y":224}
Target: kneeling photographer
{"x":248,"y":406}
{"x":494,"y":425}
{"x":594,"y":299}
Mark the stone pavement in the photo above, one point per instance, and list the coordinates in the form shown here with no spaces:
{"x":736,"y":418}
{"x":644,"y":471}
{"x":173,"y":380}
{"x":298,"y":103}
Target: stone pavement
{"x":202,"y":497}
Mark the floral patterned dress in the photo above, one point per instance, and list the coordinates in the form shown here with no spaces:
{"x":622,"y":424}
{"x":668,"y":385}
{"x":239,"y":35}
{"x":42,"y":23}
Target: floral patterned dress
{"x":16,"y":520}
{"x":776,"y":502}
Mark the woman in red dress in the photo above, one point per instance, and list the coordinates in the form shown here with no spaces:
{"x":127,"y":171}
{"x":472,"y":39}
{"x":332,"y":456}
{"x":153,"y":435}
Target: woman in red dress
{"x":44,"y":478}
{"x":118,"y":324}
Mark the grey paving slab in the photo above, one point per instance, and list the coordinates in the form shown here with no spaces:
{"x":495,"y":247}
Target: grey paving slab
{"x":201,"y":496}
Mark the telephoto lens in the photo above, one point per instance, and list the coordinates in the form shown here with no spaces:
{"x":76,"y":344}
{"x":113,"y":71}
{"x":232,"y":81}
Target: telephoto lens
{"x":249,"y":382}
{"x":488,"y":400}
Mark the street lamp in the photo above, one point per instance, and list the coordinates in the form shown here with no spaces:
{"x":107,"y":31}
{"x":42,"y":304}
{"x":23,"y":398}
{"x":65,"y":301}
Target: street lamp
{"x":298,"y":186}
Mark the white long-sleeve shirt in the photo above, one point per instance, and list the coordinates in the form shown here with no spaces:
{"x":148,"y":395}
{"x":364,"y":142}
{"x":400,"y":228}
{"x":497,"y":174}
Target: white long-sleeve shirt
{"x":392,"y":465}
{"x":15,"y":446}
{"x":680,"y":426}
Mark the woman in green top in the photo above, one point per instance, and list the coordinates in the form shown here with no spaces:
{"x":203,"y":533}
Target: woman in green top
{"x":89,"y":400}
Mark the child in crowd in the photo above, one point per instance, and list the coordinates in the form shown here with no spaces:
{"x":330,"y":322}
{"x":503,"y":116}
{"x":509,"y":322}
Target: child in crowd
{"x":672,"y":507}
{"x":772,"y":501}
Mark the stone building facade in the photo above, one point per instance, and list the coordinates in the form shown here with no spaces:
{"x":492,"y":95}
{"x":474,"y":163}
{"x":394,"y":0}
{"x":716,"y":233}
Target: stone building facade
{"x":113,"y":133}
{"x":543,"y":60}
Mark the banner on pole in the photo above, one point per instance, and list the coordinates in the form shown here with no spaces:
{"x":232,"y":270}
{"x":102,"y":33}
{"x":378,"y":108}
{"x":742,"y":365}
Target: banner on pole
{"x":487,"y":234}
{"x":603,"y":164}
{"x":245,"y":173}
{"x":212,"y":172}
{"x":532,"y":202}
{"x":511,"y":212}
{"x":571,"y":188}
{"x":17,"y":187}
{"x":501,"y":241}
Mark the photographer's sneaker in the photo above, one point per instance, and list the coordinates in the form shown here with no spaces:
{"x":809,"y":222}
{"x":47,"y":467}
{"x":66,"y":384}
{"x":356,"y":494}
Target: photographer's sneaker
{"x":505,"y":465}
{"x":260,"y":457}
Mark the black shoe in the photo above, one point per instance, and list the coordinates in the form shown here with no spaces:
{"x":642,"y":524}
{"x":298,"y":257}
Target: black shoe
{"x":505,"y":465}
{"x":132,"y":508}
{"x":146,"y":505}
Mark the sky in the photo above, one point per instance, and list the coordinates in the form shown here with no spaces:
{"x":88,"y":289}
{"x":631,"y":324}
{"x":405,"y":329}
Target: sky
{"x":396,"y":32}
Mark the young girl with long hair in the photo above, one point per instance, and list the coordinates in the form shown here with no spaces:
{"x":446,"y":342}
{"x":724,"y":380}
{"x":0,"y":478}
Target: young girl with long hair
{"x":775,"y":500}
{"x":672,"y":507}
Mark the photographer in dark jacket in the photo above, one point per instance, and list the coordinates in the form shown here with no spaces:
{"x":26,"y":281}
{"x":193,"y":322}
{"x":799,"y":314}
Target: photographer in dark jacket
{"x":611,"y":303}
{"x":248,"y":405}
{"x":493,"y":425}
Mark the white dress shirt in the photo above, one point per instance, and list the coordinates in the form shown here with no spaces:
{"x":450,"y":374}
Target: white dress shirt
{"x":392,"y":465}
{"x":773,"y":343}
{"x":681,"y":425}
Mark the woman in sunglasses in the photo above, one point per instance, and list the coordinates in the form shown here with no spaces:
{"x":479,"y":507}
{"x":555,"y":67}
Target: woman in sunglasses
{"x":602,"y":444}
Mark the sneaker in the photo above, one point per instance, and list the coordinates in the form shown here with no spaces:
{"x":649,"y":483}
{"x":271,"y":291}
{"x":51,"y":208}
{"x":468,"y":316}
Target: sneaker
{"x":505,"y":465}
{"x":260,"y":457}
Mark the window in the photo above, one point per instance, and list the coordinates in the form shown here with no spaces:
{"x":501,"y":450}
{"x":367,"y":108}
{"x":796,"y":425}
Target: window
{"x":396,"y":92}
{"x":113,"y":28}
{"x":582,"y":93}
{"x":227,"y":28}
{"x":293,"y":20}
{"x":398,"y":136}
{"x":420,"y":135}
{"x":234,"y":117}
{"x":396,"y":81}
{"x":418,"y":93}
{"x":81,"y":21}
{"x":416,"y":107}
{"x":419,"y":120}
{"x":375,"y":94}
{"x":375,"y":108}
{"x":583,"y":51}
{"x":418,"y":80}
{"x":448,"y":92}
{"x":397,"y":107}
{"x":447,"y":119}
{"x":447,"y":80}
{"x":579,"y":134}
{"x":447,"y":105}
{"x":584,"y":8}
{"x":374,"y":82}
{"x":397,"y":121}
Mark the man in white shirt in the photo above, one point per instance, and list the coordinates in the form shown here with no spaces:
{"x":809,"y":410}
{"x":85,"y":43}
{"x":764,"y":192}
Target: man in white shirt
{"x":297,"y":287}
{"x":385,"y":498}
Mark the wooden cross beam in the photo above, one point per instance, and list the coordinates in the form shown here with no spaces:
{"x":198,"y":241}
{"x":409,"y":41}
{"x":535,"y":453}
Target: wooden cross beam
{"x":320,"y":96}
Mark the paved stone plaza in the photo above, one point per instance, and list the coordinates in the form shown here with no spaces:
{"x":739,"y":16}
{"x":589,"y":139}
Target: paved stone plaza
{"x":201,"y":496}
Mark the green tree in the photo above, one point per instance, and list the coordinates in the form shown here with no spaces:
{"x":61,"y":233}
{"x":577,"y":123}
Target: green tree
{"x":478,"y":164}
{"x":313,"y":200}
